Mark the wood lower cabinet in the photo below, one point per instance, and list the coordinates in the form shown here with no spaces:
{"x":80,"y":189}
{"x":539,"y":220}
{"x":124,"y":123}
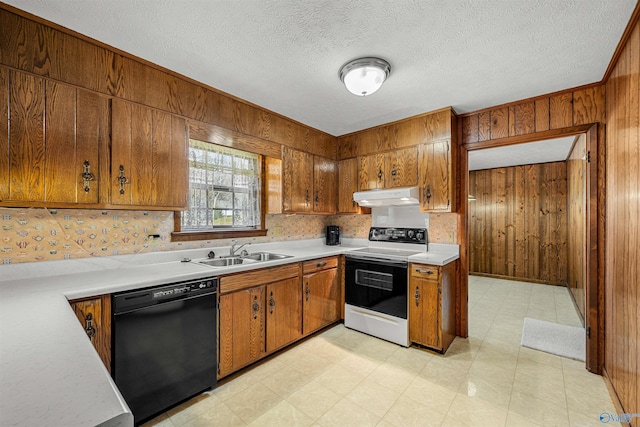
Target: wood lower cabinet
{"x":284,"y":319}
{"x":432,"y":305}
{"x":437,"y":180}
{"x":95,"y":316}
{"x":242,"y":329}
{"x":321,"y":296}
{"x":259,"y":313}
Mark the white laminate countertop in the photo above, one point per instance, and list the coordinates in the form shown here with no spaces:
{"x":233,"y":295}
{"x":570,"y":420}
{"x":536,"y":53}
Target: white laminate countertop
{"x":49,"y":372}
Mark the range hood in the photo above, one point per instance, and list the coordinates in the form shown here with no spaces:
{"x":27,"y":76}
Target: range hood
{"x":408,"y":196}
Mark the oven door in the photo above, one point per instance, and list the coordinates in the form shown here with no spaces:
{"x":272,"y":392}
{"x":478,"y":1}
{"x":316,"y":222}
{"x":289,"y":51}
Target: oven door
{"x":377,"y":285}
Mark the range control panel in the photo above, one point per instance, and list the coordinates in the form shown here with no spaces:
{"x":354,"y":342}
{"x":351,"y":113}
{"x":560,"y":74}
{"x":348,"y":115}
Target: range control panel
{"x":397,"y":235}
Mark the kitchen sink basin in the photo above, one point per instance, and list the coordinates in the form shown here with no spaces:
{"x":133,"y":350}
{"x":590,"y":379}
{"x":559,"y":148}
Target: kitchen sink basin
{"x":247,"y":259}
{"x":266,"y":256}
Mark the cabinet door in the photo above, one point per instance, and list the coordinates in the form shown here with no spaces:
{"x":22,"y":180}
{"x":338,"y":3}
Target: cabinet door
{"x":324,"y":184}
{"x":347,"y":185}
{"x":371,"y":172}
{"x":320,"y":300}
{"x":95,"y":316}
{"x":402,"y":168}
{"x":241,"y":329}
{"x":284,"y":316}
{"x":297,"y":186}
{"x":436,"y":184}
{"x":424,"y":316}
{"x":149,"y":166}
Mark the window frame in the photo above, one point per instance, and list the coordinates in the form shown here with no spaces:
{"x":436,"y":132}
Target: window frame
{"x":180,"y":235}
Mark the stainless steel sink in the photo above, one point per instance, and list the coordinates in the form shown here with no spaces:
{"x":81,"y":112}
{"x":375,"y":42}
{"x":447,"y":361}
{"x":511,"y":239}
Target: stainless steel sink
{"x":247,"y":259}
{"x":266,"y":256}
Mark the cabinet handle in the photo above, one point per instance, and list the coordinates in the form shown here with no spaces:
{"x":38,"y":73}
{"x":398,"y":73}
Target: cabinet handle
{"x":427,"y":192}
{"x":306,"y":198}
{"x":307,"y":291}
{"x":87,"y":176}
{"x":416,"y":296}
{"x":272,"y":303}
{"x":420,"y":270}
{"x":317,"y":198}
{"x":379,"y":174}
{"x":393,"y":171}
{"x":122,"y":179}
{"x":321,"y":264}
{"x":88,"y":326}
{"x":256,"y":307}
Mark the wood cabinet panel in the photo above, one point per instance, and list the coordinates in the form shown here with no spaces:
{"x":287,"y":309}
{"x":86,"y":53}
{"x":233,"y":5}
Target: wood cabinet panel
{"x":319,"y":264}
{"x":320,"y":300}
{"x":347,"y":185}
{"x":525,"y":118}
{"x":252,"y":278}
{"x":4,"y":134}
{"x":371,"y":172}
{"x":325,"y":185}
{"x":179,"y":182}
{"x":26,"y":137}
{"x":121,"y":152}
{"x":542,"y":114}
{"x":92,"y":135}
{"x":95,"y":316}
{"x":402,"y":168}
{"x":284,"y":315}
{"x":297,"y":186}
{"x":499,"y":123}
{"x":436,"y":182}
{"x":141,"y":172}
{"x":588,"y":105}
{"x":242,"y":329}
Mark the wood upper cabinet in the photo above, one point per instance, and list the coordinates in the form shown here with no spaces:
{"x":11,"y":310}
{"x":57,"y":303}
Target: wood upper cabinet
{"x":371,"y":172}
{"x":242,"y":329}
{"x":53,"y":143}
{"x":347,"y":185}
{"x":324,"y":184}
{"x":436,"y":179}
{"x":95,"y":316}
{"x":321,"y":294}
{"x":284,"y":317}
{"x":402,"y":168}
{"x":297,"y":185}
{"x":149,"y":165}
{"x":432,"y":305}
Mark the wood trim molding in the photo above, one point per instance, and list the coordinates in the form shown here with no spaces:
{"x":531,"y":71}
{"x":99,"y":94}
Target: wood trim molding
{"x":532,"y":137}
{"x":633,"y":21}
{"x":188,"y":236}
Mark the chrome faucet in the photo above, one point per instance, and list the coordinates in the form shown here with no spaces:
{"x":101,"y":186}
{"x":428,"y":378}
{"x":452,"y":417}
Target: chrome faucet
{"x":234,"y":249}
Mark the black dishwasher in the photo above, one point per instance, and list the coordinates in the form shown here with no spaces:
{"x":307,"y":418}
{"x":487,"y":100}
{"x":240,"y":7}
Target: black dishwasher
{"x":164,"y":344}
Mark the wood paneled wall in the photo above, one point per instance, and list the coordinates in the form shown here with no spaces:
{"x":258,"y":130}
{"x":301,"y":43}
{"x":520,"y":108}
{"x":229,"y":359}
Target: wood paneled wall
{"x":577,"y":222}
{"x":432,"y":126}
{"x":546,"y":113}
{"x":47,"y":50}
{"x":622,"y":282}
{"x":517,"y":224}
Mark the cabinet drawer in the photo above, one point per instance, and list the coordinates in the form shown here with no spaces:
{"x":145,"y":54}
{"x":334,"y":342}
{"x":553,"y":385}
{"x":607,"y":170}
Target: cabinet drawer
{"x":319,"y":264}
{"x":428,"y":272}
{"x":253,"y":278}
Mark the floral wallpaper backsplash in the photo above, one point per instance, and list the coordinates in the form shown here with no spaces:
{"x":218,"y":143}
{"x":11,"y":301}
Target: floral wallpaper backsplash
{"x":37,"y":234}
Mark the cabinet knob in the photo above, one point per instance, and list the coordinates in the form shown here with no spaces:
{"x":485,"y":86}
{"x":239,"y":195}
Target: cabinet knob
{"x":86,"y":175}
{"x":272,"y":303}
{"x":416,"y":296}
{"x":427,"y":192}
{"x":393,"y":171}
{"x":379,"y":174}
{"x":88,"y":326}
{"x":256,"y":307}
{"x":317,"y":198}
{"x":307,"y":291}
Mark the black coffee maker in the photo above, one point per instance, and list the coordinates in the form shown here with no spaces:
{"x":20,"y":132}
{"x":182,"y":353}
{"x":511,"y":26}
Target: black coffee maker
{"x":333,"y":235}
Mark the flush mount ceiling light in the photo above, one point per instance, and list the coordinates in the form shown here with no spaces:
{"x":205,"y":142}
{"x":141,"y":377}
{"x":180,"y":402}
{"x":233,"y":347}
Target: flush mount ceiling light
{"x":364,"y":76}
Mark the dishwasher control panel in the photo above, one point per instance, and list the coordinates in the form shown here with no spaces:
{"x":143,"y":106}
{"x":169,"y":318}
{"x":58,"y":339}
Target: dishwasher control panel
{"x":168,"y":292}
{"x":129,"y":300}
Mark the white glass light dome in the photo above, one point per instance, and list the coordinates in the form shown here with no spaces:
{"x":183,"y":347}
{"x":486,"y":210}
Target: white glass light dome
{"x":364,"y":76}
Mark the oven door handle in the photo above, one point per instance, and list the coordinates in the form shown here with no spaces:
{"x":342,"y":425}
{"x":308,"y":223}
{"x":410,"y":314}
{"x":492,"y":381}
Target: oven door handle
{"x":380,"y":261}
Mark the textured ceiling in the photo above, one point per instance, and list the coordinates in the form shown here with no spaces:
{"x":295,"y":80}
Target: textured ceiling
{"x":551,"y":150}
{"x":285,"y":54}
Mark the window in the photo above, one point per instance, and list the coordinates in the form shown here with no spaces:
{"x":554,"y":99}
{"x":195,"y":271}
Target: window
{"x":224,"y":189}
